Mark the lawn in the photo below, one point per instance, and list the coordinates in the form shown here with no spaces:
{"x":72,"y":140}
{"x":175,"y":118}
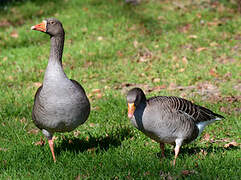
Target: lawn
{"x":189,"y":48}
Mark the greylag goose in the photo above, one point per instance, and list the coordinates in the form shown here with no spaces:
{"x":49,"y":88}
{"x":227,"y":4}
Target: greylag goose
{"x":171,"y":120}
{"x":60,"y":104}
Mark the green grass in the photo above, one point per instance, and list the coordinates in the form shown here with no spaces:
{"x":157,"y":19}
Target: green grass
{"x":191,"y":49}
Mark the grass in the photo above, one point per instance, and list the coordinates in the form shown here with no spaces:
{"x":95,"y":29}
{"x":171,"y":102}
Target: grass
{"x":189,"y":49}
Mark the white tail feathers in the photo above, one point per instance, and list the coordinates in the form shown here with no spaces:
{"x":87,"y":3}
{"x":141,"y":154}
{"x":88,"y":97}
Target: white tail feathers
{"x":202,"y":125}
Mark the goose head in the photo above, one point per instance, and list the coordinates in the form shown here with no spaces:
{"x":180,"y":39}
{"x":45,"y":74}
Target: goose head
{"x":51,"y":26}
{"x":134,"y":98}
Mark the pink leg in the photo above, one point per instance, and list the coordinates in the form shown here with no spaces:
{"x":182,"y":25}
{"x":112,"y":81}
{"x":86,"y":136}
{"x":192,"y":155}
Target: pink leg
{"x":177,"y":149}
{"x":51,"y":145}
{"x":162,"y":147}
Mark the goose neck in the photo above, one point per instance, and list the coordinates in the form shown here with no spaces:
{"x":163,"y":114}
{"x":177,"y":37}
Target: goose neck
{"x":56,"y":51}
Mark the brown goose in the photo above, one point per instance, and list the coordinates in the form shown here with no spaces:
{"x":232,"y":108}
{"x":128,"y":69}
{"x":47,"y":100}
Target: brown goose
{"x":60,"y":104}
{"x":170,"y":119}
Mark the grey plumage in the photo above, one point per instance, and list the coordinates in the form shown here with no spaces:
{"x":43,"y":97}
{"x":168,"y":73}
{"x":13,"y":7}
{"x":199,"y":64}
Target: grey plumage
{"x":170,"y":119}
{"x":60,"y":104}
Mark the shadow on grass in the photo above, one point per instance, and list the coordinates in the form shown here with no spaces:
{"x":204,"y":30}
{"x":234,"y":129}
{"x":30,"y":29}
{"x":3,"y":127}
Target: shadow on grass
{"x":211,"y":148}
{"x":147,"y":24}
{"x":197,"y":150}
{"x":14,"y":2}
{"x":94,"y":143}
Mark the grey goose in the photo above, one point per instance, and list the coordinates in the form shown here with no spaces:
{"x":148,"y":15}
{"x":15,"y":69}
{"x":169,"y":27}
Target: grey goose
{"x":168,"y":119}
{"x":60,"y":104}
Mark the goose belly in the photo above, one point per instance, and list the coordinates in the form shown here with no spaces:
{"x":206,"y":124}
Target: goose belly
{"x":165,"y":128}
{"x":61,"y":115}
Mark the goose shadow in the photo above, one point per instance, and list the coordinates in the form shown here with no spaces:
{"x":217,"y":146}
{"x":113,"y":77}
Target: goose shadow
{"x":94,"y":143}
{"x":185,"y":150}
{"x":13,"y":2}
{"x":211,"y":148}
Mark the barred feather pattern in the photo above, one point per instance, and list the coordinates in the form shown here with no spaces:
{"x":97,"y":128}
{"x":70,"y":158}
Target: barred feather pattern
{"x":195,"y":112}
{"x":169,"y":119}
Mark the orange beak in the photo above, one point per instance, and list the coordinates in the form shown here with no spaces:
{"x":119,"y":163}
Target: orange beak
{"x":131,"y":109}
{"x":40,"y":27}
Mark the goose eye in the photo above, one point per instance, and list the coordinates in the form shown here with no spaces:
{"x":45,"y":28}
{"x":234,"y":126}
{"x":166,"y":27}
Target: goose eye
{"x":51,"y":22}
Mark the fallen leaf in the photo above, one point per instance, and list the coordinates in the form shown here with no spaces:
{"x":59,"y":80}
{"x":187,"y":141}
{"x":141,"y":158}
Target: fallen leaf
{"x":14,"y":34}
{"x":232,"y":99}
{"x":172,"y":86}
{"x":226,"y":60}
{"x":92,"y":124}
{"x":237,"y":110}
{"x":88,"y":64}
{"x":132,"y":28}
{"x":3,"y":149}
{"x":142,"y":75}
{"x":95,"y":108}
{"x":144,"y":55}
{"x":119,"y":53}
{"x":184,"y":60}
{"x":214,"y":23}
{"x":33,"y":131}
{"x":192,"y":36}
{"x":40,"y":12}
{"x":166,"y":176}
{"x":10,"y":78}
{"x":185,"y":28}
{"x":225,"y":110}
{"x":100,"y":38}
{"x":96,"y":91}
{"x":23,"y":120}
{"x":37,"y":84}
{"x":206,"y":137}
{"x":40,"y":143}
{"x":77,"y":177}
{"x":87,"y":138}
{"x":213,"y":72}
{"x":135,"y":43}
{"x":5,"y":58}
{"x":156,"y":80}
{"x":91,"y":149}
{"x":84,"y":29}
{"x":5,"y":23}
{"x":161,"y":18}
{"x":181,"y":70}
{"x":231,"y":144}
{"x":99,"y":95}
{"x":187,"y":172}
{"x":146,"y":173}
{"x":85,"y":8}
{"x":157,"y":88}
{"x":77,"y":133}
{"x":237,"y":87}
{"x":199,"y":15}
{"x":207,"y":90}
{"x":212,"y":44}
{"x":200,"y":49}
{"x":203,"y":152}
{"x":228,"y":75}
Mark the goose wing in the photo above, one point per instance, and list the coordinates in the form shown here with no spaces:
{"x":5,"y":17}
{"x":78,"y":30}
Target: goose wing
{"x":179,"y":105}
